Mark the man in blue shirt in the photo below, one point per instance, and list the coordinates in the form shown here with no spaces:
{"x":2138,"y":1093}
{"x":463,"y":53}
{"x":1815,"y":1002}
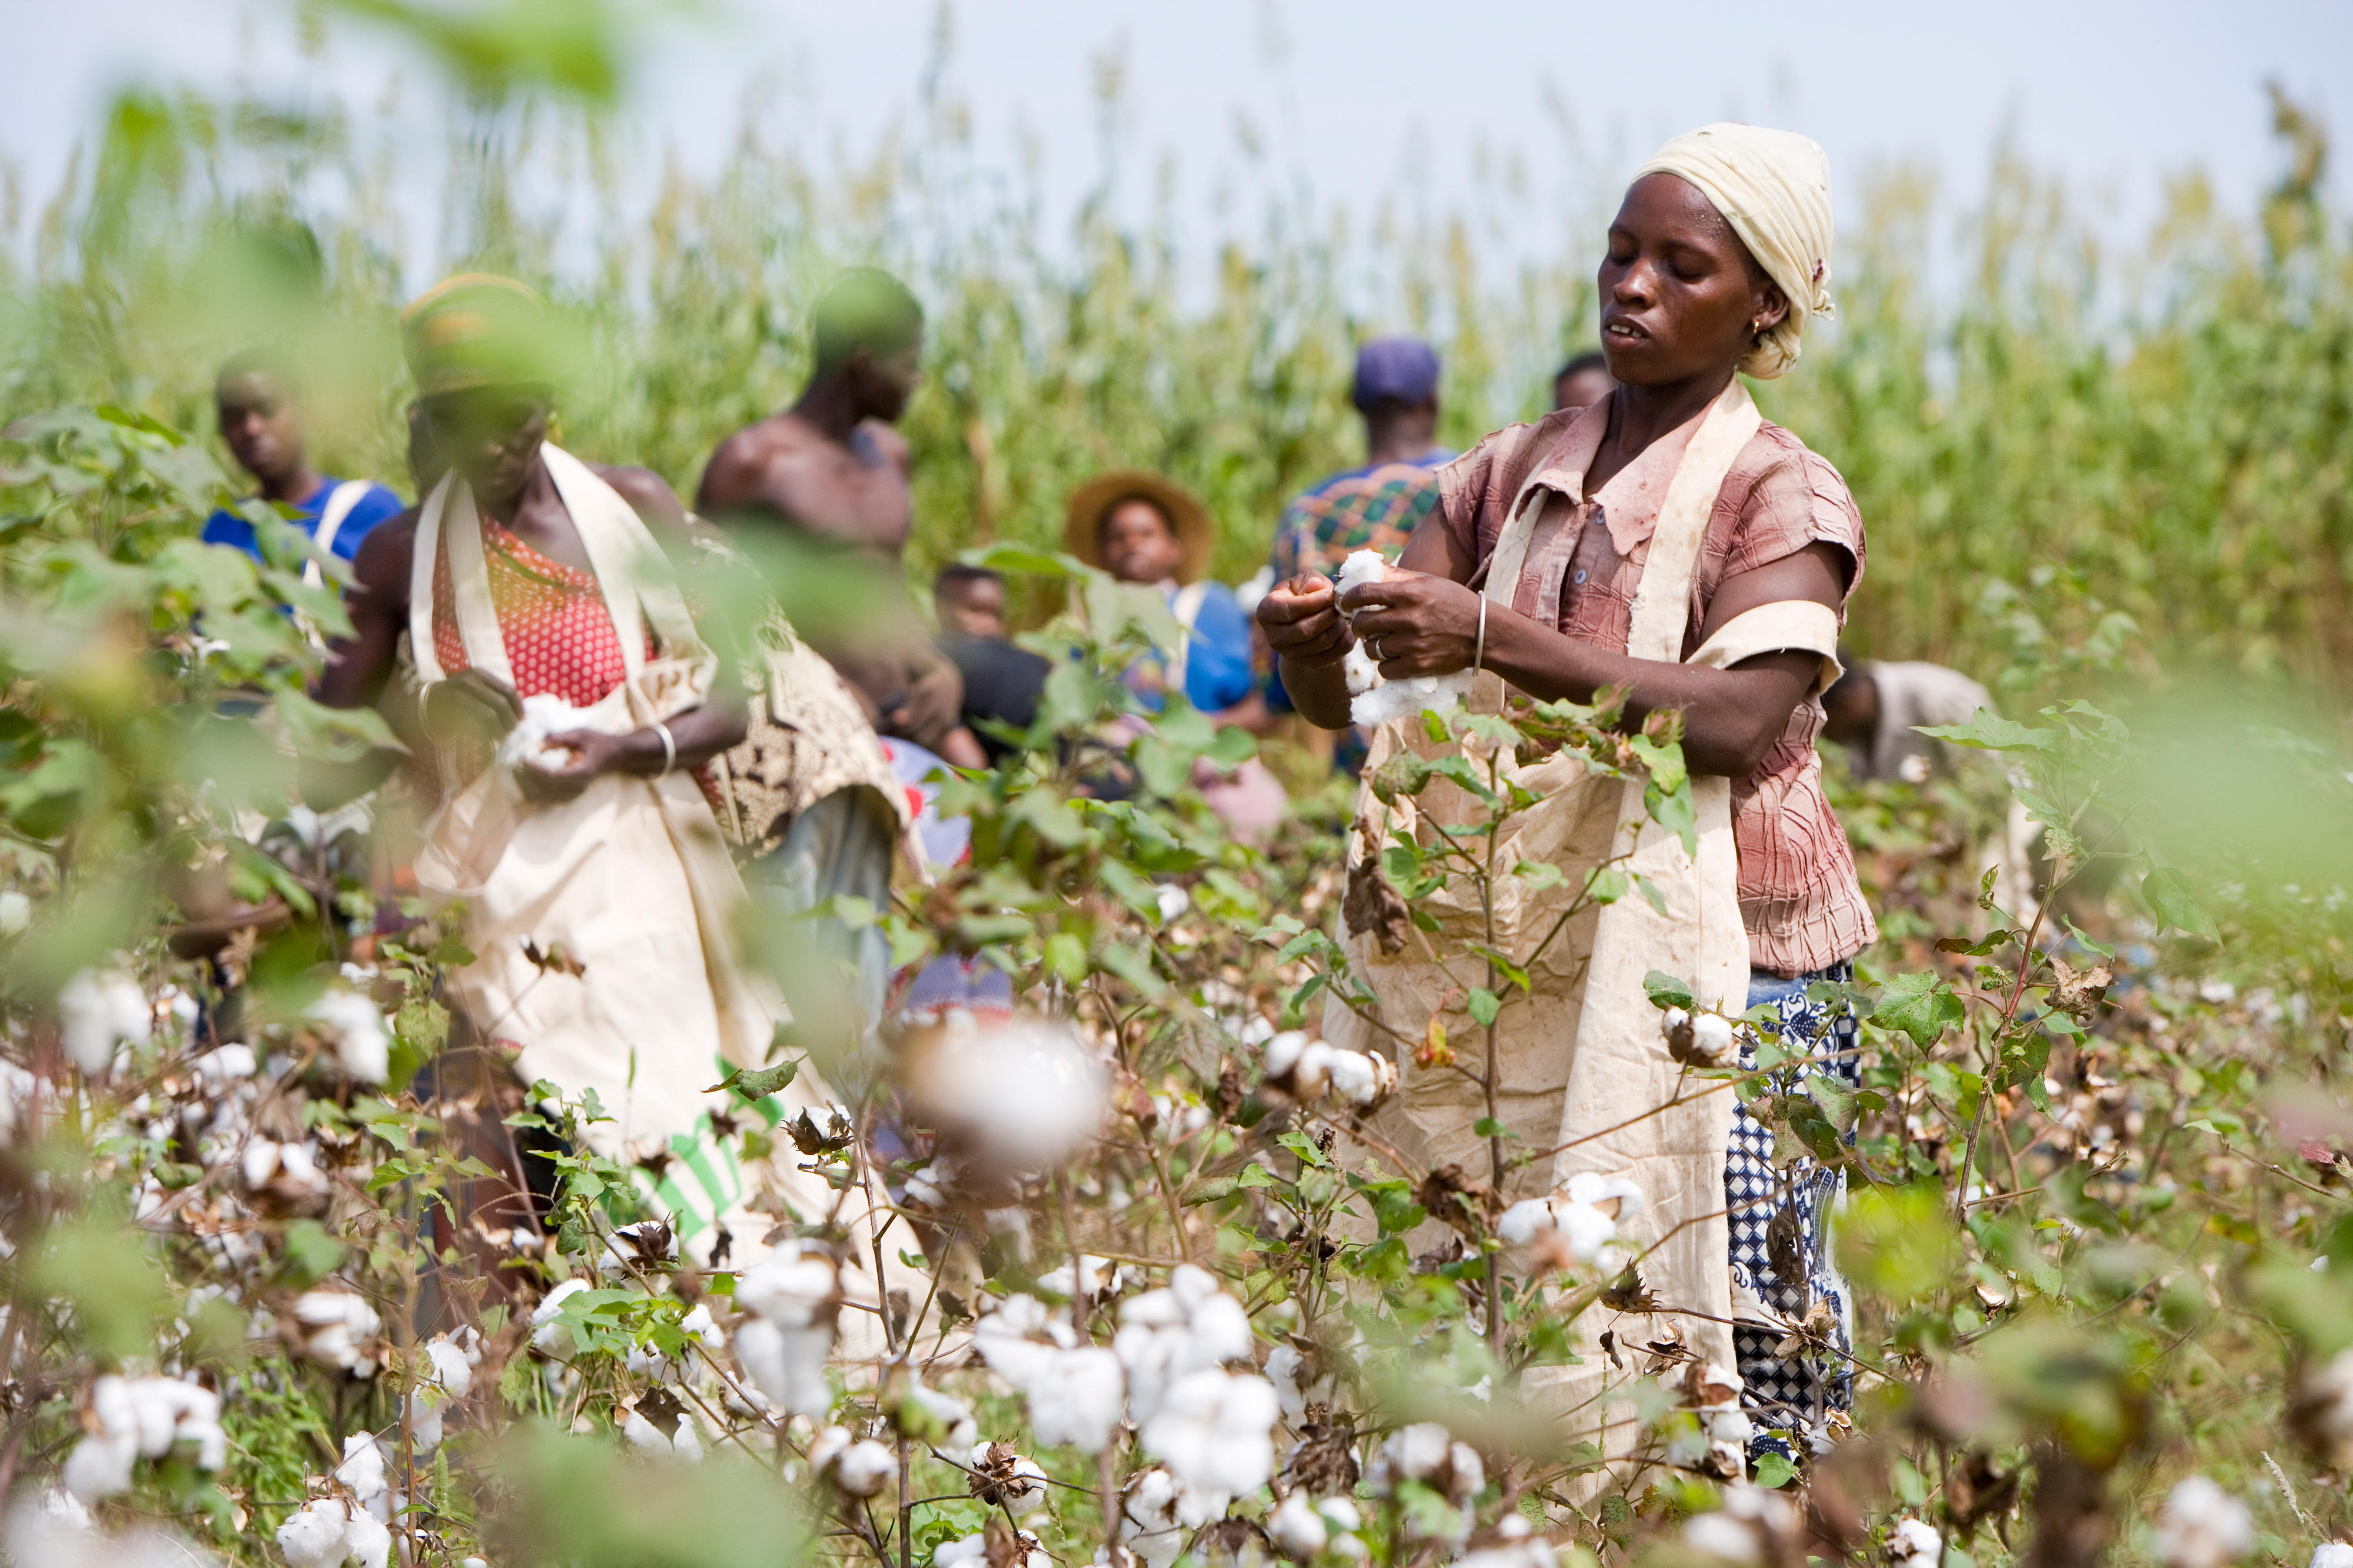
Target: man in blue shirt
{"x":261,"y":422}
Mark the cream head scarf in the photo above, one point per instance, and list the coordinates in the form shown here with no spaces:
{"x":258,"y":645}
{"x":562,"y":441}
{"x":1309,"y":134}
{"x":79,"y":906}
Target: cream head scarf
{"x":1774,"y":189}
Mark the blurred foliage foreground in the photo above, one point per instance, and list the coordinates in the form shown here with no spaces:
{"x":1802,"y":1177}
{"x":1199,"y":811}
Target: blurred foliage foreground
{"x":1134,"y":1277}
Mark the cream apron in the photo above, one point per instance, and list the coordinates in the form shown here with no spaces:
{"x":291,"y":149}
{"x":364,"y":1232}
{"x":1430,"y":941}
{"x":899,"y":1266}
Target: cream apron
{"x":1582,"y":1056}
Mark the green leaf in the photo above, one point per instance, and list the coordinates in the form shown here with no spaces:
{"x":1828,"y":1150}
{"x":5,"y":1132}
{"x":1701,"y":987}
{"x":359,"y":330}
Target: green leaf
{"x":2169,"y":894}
{"x":1989,"y":731}
{"x":1255,"y":1176}
{"x":1488,"y":1127}
{"x":1921,"y":1004}
{"x":758,"y":1083}
{"x":1212,"y":1190}
{"x":1435,"y":728}
{"x":1774,"y":1470}
{"x":1665,"y":991}
{"x":1484,"y":1004}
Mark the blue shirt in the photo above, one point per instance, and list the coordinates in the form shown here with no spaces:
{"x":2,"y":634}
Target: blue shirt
{"x":1217,"y":658}
{"x":378,"y":505}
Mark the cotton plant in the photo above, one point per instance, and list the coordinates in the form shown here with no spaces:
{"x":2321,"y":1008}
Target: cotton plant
{"x":354,"y":1029}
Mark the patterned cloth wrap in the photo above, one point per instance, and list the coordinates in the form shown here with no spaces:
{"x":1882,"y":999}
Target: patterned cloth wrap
{"x":1375,"y":508}
{"x":1800,"y":1393}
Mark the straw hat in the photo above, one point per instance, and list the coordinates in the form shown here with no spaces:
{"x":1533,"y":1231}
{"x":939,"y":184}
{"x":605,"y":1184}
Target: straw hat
{"x":1197,"y":531}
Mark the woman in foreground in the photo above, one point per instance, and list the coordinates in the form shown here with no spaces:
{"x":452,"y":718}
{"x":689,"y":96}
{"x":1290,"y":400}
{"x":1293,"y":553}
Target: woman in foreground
{"x":1667,"y":542}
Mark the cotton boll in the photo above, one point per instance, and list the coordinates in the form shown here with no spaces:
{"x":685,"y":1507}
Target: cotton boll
{"x":1296,"y":1529}
{"x":1149,"y":1523}
{"x":1189,"y":1326}
{"x":1393,"y":700}
{"x":793,"y":1287}
{"x":1414,"y":1453}
{"x":1020,"y":1096}
{"x":546,"y":1332}
{"x":1213,"y":1431}
{"x":1363,"y":1079}
{"x":313,"y":1535}
{"x":363,"y":1045}
{"x":1523,"y":1551}
{"x":97,"y":1010}
{"x":100,"y":1466}
{"x":363,"y":1466}
{"x":544,"y":714}
{"x":1077,"y":1400}
{"x":224,"y":1065}
{"x":786,"y":1366}
{"x":336,"y":1324}
{"x":951,"y":1418}
{"x":2203,"y":1526}
{"x":16,"y":913}
{"x":2332,"y":1554}
{"x":1914,"y":1544}
{"x":1007,"y":1479}
{"x":863,"y":1467}
{"x":1725,"y":1539}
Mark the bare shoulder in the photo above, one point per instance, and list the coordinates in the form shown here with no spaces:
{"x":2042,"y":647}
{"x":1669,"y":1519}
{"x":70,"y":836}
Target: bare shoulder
{"x":648,"y":493}
{"x":380,"y":568}
{"x":744,"y":468}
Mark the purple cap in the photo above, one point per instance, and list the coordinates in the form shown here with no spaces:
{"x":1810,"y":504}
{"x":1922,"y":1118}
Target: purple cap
{"x":1402,"y":368}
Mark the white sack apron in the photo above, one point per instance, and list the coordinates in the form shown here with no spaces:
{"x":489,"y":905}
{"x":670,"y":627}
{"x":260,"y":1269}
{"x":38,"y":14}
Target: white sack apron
{"x":631,"y":877}
{"x":1582,"y":1056}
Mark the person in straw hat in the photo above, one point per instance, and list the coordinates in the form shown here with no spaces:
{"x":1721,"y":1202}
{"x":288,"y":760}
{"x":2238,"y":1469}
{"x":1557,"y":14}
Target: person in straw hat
{"x":1146,"y":529}
{"x":1667,"y":540}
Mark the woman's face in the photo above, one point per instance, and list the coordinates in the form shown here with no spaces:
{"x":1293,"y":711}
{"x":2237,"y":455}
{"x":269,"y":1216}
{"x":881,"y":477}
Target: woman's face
{"x":1138,"y":545}
{"x":1680,"y":296}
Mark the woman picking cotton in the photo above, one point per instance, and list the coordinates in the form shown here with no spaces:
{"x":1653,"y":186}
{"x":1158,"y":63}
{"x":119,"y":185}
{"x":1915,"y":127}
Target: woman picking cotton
{"x":524,"y":628}
{"x":1668,"y":541}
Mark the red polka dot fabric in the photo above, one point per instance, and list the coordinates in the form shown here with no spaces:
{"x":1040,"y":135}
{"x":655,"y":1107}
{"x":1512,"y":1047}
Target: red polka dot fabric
{"x":559,"y":636}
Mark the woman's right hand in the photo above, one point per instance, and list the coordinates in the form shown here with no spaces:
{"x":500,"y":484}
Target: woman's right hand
{"x":1302,"y":622}
{"x":470,"y":704}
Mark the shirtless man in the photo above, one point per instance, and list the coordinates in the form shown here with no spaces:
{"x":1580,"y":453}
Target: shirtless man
{"x":829,"y":470}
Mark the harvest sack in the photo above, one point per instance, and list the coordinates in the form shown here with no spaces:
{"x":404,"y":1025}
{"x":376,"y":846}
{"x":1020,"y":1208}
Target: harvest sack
{"x":1582,"y":1057}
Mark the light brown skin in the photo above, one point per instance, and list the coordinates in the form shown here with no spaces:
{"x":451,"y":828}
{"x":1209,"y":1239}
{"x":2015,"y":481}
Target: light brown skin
{"x":1398,"y":432}
{"x":1682,"y":302}
{"x":1850,"y":711}
{"x":1140,"y":545}
{"x":262,"y":428}
{"x":493,"y":438}
{"x":971,"y":607}
{"x":1582,"y":388}
{"x":830,"y":469}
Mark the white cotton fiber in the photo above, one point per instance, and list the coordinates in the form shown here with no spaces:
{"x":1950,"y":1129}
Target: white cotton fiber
{"x":1372,"y":699}
{"x":544,"y":714}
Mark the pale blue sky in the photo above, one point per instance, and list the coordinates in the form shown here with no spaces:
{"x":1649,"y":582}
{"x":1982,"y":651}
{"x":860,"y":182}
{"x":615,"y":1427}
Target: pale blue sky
{"x":1355,"y":99}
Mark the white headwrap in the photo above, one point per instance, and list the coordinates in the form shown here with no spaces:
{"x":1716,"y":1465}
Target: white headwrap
{"x":1774,"y":189}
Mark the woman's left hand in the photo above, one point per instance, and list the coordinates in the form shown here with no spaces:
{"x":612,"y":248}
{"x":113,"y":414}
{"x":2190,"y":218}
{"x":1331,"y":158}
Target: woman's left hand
{"x":587,"y":753}
{"x":1415,"y":625}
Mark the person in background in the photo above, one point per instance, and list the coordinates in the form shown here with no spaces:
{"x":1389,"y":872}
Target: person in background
{"x":258,"y":397}
{"x":1873,"y":709}
{"x":831,"y":471}
{"x":1146,"y":529}
{"x":1001,"y":682}
{"x":1582,"y":381}
{"x":1378,"y":505}
{"x":825,"y":815}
